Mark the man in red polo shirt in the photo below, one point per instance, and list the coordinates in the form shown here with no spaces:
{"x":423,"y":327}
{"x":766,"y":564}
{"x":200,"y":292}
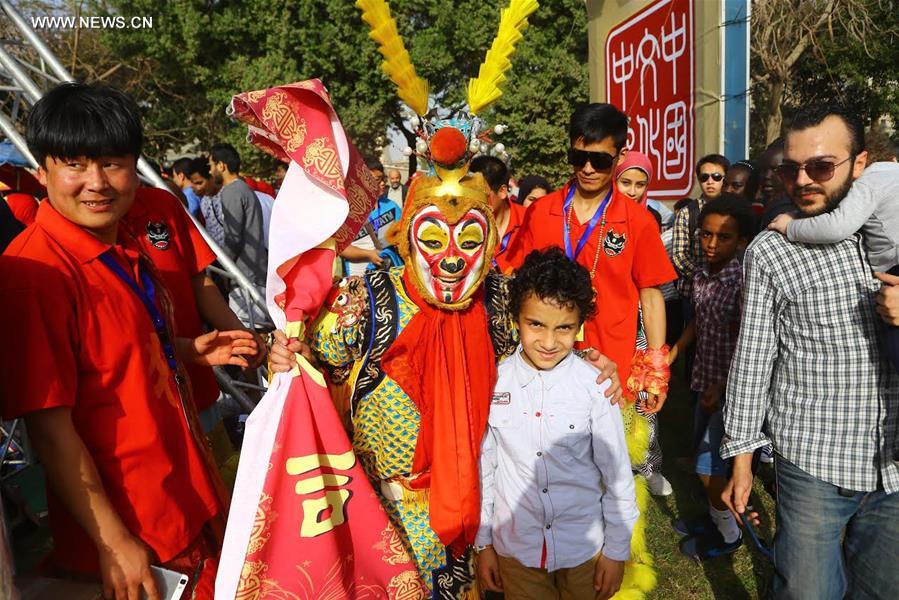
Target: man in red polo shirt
{"x":97,"y":373}
{"x":614,"y":238}
{"x":157,"y":220}
{"x":508,"y":215}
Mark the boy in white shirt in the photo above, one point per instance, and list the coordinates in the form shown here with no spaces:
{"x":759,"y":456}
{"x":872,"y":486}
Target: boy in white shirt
{"x":558,"y":505}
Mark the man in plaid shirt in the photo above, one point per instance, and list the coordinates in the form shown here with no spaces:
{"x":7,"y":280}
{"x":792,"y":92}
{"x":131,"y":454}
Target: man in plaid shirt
{"x":807,"y":363}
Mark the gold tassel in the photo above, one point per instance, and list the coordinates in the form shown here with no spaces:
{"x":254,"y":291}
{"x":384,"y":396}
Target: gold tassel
{"x":484,"y":90}
{"x":412,"y":89}
{"x":639,"y":574}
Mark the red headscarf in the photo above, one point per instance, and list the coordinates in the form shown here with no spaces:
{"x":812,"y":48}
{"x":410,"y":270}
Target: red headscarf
{"x":636,"y":160}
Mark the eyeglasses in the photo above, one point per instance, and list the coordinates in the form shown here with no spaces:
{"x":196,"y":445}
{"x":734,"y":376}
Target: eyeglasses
{"x":703,"y":177}
{"x":601,"y":161}
{"x":817,"y":170}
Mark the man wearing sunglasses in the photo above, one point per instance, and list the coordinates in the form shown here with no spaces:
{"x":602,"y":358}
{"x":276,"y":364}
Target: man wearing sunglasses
{"x":616,"y":239}
{"x":686,"y":251}
{"x":808,"y":365}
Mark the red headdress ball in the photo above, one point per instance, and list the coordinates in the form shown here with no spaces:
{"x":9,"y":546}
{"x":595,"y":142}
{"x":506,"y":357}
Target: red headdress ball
{"x":448,"y":146}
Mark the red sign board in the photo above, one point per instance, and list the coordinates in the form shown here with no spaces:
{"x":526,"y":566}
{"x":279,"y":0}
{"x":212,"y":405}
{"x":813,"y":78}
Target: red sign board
{"x":649,"y":75}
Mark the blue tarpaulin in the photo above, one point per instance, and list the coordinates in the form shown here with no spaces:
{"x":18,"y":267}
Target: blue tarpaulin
{"x":9,"y":155}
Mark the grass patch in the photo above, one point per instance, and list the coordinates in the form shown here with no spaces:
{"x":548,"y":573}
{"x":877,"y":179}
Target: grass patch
{"x":743,"y":575}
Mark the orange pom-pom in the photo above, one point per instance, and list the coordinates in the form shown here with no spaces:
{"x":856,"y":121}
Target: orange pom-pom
{"x":448,"y":146}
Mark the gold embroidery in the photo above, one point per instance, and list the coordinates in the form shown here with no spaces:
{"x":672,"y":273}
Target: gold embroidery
{"x":391,"y":547}
{"x":262,"y":524}
{"x":322,"y":159}
{"x":282,"y":120}
{"x":405,"y":586}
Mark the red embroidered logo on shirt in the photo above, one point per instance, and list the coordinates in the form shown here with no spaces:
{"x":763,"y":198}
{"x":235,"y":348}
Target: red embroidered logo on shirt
{"x":158,"y":235}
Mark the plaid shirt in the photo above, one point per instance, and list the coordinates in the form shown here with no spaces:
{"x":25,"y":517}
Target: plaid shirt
{"x":808,"y":361}
{"x":686,"y":249}
{"x":716,"y":299}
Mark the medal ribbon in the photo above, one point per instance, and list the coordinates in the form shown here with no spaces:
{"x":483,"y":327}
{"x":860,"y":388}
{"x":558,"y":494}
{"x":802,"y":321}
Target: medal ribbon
{"x":590,"y":226}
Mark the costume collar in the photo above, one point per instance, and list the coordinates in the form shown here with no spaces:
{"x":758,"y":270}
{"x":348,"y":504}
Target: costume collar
{"x":525,"y":374}
{"x":78,"y":242}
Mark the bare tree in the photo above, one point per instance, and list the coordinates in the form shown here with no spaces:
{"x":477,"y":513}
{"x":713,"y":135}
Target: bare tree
{"x":783,"y":32}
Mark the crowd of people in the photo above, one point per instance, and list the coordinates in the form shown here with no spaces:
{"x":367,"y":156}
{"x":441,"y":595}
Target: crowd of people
{"x":777,"y":288}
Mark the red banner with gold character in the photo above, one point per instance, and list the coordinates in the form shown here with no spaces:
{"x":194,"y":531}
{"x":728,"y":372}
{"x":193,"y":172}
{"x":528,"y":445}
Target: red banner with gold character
{"x":305,"y":522}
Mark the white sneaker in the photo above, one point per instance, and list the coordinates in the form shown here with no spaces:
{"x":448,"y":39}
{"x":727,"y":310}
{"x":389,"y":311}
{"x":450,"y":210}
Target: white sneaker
{"x":658,"y":485}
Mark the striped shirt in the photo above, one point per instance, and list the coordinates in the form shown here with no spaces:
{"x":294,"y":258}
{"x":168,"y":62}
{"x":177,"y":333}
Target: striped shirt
{"x":808,"y":362}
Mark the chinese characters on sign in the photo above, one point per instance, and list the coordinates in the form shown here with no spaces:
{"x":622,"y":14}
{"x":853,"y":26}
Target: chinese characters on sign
{"x":324,"y":512}
{"x":649,"y":75}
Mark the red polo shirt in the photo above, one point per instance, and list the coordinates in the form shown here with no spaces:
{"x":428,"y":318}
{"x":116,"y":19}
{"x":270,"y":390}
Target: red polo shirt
{"x":516,"y":220}
{"x":632,"y":257}
{"x":158,"y":221}
{"x":23,"y":206}
{"x":80,"y":337}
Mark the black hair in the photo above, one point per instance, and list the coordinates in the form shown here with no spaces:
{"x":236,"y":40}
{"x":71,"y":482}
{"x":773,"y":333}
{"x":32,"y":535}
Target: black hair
{"x":226,"y":153}
{"x":374,"y":164}
{"x":715,"y":159}
{"x":595,"y":122}
{"x":732,"y":205}
{"x":494,"y":170}
{"x":181,"y":166}
{"x":76,"y":119}
{"x":529,"y":184}
{"x":811,"y":115}
{"x":198,"y":165}
{"x":551,"y":276}
{"x":753,"y":177}
{"x":683,"y":202}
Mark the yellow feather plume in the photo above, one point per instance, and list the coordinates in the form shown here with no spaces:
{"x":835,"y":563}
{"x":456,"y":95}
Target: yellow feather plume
{"x":412,"y":89}
{"x":484,"y":90}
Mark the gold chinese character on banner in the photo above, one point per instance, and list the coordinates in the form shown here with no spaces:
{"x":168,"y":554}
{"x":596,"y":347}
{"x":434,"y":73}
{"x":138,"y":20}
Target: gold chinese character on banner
{"x":322,"y":514}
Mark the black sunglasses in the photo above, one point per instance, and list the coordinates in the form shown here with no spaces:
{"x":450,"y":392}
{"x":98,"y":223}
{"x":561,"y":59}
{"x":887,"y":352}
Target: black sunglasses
{"x":703,"y":177}
{"x":601,"y":161}
{"x":817,"y":170}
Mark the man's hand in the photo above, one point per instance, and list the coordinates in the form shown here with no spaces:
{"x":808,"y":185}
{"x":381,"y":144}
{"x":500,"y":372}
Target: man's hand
{"x":607,"y":370}
{"x":488,"y":570}
{"x":283,"y":353}
{"x":654,"y":403}
{"x":780,"y":222}
{"x":607,"y":577}
{"x":256,"y":359}
{"x":125,"y":569}
{"x":888,"y":298}
{"x":223,"y":348}
{"x":736,"y":493}
{"x":375,"y":258}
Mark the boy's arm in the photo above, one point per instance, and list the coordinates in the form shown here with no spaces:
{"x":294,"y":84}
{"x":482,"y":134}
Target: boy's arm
{"x":619,"y":502}
{"x":488,"y":477}
{"x":838,"y":224}
{"x":687,"y":337}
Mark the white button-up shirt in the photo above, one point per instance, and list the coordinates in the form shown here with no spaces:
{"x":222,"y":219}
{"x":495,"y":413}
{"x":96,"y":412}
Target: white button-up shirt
{"x":555,"y":468}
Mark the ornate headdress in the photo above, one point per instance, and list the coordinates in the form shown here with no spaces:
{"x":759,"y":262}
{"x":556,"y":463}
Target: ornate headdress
{"x":448,"y":145}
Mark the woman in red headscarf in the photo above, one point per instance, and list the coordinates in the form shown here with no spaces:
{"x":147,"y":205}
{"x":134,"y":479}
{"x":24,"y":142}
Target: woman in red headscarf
{"x":632,"y":178}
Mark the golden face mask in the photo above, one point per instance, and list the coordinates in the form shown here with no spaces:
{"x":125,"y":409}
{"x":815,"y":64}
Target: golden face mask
{"x":447,"y":237}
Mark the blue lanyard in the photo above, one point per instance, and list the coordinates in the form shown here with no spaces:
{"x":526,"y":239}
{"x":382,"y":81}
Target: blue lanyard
{"x":590,"y":226}
{"x":146,"y":291}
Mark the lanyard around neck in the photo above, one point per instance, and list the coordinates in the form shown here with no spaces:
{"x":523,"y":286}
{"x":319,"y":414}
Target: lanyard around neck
{"x":146,"y":292}
{"x":600,"y":210}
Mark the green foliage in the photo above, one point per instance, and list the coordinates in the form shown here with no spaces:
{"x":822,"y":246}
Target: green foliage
{"x":200,"y":53}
